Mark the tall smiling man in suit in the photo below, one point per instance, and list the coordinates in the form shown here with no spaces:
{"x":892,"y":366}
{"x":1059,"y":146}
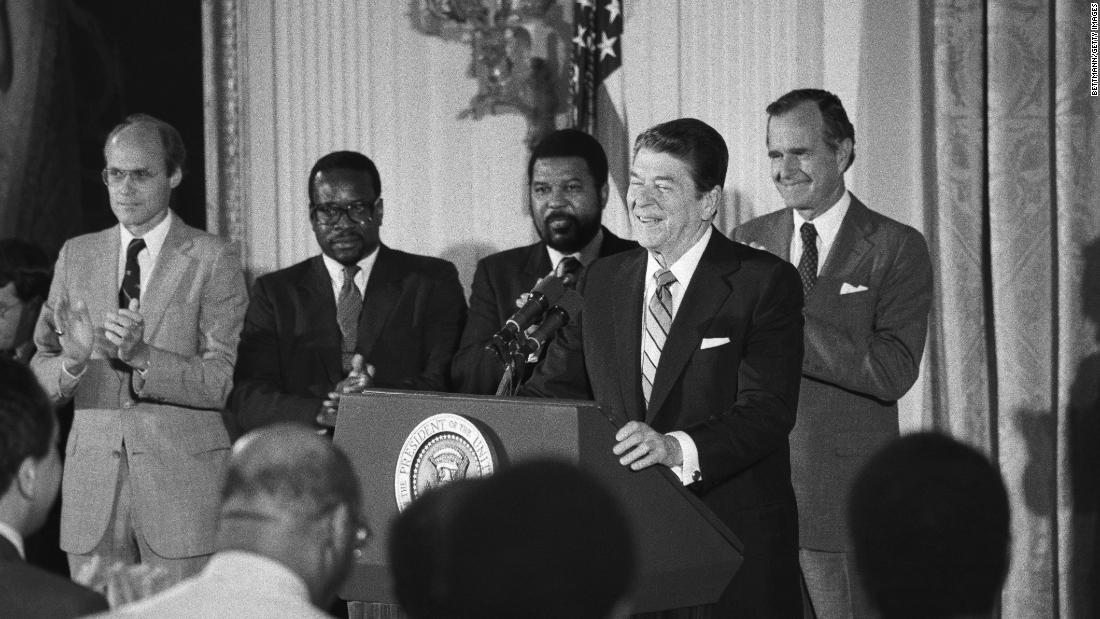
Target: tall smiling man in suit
{"x":567,"y":185}
{"x":358,"y":315}
{"x":141,"y":329}
{"x":694,"y":344}
{"x":868,"y":287}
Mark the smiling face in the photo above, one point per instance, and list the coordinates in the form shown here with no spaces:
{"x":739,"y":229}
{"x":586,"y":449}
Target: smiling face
{"x":807,"y":171}
{"x":566,"y":203}
{"x":139,"y":201}
{"x":346,"y":241}
{"x":668,"y":213}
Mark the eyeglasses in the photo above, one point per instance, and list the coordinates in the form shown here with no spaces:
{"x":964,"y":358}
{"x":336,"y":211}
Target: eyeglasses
{"x":115,"y":176}
{"x":328,"y":213}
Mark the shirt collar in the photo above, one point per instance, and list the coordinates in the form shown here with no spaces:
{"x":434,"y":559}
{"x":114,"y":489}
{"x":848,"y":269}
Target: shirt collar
{"x":828,"y":223}
{"x":336,"y":270}
{"x":587,"y":255}
{"x":683,"y":268}
{"x":154,"y":239}
{"x":14,"y":537}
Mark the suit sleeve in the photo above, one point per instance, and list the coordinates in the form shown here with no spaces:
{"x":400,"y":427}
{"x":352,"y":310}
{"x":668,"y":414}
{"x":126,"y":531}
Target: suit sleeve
{"x":203,"y":380}
{"x":881,"y":359}
{"x":443,"y":319}
{"x":474,"y":369}
{"x":46,"y":362}
{"x":763,"y":413}
{"x":563,"y":373}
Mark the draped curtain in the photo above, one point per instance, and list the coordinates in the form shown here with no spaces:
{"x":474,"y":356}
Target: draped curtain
{"x":1014,"y":229}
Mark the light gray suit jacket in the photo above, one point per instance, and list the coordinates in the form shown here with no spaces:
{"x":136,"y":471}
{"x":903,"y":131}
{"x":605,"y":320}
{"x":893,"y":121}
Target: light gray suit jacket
{"x":866,"y":322}
{"x":174,"y":436}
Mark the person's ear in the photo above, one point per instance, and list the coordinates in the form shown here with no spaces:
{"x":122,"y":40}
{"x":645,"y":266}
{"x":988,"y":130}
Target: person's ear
{"x":378,"y":211}
{"x":712,"y":199}
{"x":175,"y":178}
{"x":843,"y":154}
{"x":604,"y":192}
{"x":26,"y":479}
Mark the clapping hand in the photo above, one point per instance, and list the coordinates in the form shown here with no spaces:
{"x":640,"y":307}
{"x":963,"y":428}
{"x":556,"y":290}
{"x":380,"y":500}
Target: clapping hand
{"x":125,"y":330}
{"x":359,"y":379}
{"x":72,"y":323}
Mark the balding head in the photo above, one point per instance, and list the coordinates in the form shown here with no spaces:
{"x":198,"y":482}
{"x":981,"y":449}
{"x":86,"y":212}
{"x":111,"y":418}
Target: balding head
{"x":292,"y":496}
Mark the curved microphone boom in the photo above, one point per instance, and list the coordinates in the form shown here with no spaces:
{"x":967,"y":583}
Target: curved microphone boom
{"x":567,"y":308}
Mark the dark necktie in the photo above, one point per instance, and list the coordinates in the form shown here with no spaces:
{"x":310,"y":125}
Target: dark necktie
{"x":348,"y":307}
{"x":131,"y":279}
{"x":571,"y":267}
{"x":807,"y":267}
{"x":658,"y":322}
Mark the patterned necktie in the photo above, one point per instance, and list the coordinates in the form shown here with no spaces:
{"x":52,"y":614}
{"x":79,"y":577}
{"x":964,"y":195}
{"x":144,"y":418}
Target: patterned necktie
{"x":807,"y":267}
{"x":569,"y":266}
{"x":657,"y":323}
{"x":131,"y":280}
{"x":348,"y":307}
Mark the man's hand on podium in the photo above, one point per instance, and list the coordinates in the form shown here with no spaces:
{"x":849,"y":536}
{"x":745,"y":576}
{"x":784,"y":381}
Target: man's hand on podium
{"x":640,"y":446}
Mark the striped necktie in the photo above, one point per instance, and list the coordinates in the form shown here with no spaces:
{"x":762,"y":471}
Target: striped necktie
{"x":657,"y":323}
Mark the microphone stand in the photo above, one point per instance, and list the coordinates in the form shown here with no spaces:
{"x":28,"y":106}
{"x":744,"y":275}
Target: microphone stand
{"x":514,"y":362}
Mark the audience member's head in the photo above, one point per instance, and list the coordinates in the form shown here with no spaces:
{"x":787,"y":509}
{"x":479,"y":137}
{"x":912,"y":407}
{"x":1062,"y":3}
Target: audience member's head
{"x":567,"y":179}
{"x":292,"y":496}
{"x":30,"y":465}
{"x":541,"y":539}
{"x":929,"y":525}
{"x":345,"y":205}
{"x":25,"y":274}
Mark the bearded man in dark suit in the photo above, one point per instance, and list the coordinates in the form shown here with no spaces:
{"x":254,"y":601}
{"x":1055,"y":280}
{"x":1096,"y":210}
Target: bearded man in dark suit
{"x":694,"y":344}
{"x":868,"y":289}
{"x":361,"y":314}
{"x":567,"y":181}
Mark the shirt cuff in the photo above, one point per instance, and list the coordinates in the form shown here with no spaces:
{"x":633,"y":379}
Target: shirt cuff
{"x":688,"y":472}
{"x":67,"y":381}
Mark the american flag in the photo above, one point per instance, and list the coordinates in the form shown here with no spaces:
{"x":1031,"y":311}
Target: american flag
{"x":596,"y":86}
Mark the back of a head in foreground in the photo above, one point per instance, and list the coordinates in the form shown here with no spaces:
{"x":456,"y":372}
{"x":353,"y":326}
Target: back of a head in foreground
{"x":538,"y":540}
{"x":288,"y":493}
{"x":26,"y":420}
{"x":928,"y":517}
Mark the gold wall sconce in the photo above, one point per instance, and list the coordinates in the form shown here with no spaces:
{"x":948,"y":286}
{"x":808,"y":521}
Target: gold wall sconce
{"x":517,"y":55}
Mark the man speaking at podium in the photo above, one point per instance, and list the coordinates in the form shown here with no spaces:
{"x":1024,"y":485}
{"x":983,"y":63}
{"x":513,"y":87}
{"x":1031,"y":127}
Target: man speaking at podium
{"x":695,"y":345}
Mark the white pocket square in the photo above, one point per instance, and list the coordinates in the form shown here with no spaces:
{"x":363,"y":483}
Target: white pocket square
{"x":711,"y":342}
{"x":847,"y":288}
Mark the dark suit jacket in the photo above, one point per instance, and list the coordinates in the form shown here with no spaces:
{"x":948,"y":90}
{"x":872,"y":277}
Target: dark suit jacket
{"x":498,"y":280}
{"x":736,"y":400}
{"x":27,"y":591}
{"x":863,"y":352}
{"x":289,"y":356}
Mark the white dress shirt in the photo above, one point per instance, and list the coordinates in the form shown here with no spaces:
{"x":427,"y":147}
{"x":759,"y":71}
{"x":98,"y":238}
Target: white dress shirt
{"x":683,"y":269}
{"x":827,"y":225}
{"x":336,"y":273}
{"x":13,"y":536}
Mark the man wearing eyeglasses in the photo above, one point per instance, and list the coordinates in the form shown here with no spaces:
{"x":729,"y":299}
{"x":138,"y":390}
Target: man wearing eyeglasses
{"x":359,"y":315}
{"x":140,"y":329}
{"x":291,"y":523}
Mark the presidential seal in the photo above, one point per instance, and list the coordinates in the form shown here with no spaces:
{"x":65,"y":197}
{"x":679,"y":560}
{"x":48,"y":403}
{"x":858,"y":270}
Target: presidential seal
{"x":441,"y":449}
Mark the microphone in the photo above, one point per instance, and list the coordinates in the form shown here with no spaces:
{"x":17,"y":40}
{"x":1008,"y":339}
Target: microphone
{"x":567,"y":307}
{"x":546,"y":292}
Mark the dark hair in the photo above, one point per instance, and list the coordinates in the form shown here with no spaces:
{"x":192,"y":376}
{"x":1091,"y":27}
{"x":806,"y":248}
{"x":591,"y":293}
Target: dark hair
{"x":928,"y":518}
{"x":572,"y":143}
{"x":696,"y":143}
{"x":26,"y":420}
{"x":27,"y":266}
{"x":483,"y":548}
{"x":345,"y":160}
{"x":837,"y":126}
{"x":175,"y":154}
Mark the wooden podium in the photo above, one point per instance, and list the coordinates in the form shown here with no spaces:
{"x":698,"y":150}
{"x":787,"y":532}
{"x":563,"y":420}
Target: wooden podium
{"x":686,"y":556}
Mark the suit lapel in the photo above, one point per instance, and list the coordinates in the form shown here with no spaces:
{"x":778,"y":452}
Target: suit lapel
{"x":538,"y":262}
{"x":102,"y":285}
{"x":315,"y":292}
{"x":172,"y":262}
{"x":627,"y":311}
{"x":777,"y":238}
{"x":851,"y":244}
{"x":707,"y":291}
{"x":383,"y":291}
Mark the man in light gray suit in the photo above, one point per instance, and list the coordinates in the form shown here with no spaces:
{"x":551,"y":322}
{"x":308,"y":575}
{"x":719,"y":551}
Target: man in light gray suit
{"x":868,"y":286}
{"x":141,"y":329}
